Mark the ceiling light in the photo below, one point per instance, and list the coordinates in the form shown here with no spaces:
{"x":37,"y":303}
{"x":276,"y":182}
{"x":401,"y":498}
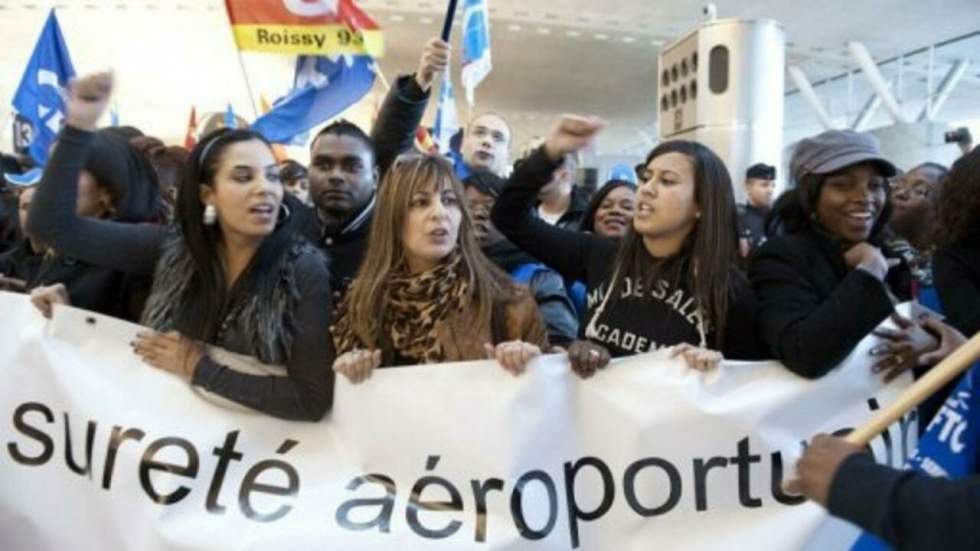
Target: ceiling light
{"x":573,"y":34}
{"x":629,"y":39}
{"x":544,"y":30}
{"x":396,"y":17}
{"x":601,"y":36}
{"x":425,"y":20}
{"x":514,"y":28}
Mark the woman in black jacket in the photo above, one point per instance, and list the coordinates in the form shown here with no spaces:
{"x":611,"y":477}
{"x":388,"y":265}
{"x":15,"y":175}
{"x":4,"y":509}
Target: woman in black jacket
{"x":116,"y":183}
{"x":671,"y":282}
{"x":230,"y":272}
{"x":826,"y":283}
{"x":956,"y":266}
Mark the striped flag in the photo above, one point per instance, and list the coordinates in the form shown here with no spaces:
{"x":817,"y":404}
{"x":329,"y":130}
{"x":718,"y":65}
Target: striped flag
{"x":312,"y":27}
{"x":476,"y":46}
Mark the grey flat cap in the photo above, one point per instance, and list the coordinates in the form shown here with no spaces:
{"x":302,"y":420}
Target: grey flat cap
{"x":833,"y":150}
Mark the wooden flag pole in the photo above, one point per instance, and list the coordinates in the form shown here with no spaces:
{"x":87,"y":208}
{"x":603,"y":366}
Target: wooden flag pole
{"x":947,"y":370}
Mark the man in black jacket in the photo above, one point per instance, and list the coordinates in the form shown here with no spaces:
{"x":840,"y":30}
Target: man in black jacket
{"x":346,"y":166}
{"x":908,"y":509}
{"x":561,"y":203}
{"x":20,"y":265}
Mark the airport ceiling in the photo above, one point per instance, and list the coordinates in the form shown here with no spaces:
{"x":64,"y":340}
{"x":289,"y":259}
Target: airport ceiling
{"x":560,"y":56}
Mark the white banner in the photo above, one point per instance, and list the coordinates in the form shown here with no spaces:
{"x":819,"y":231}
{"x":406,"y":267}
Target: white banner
{"x":102,"y":452}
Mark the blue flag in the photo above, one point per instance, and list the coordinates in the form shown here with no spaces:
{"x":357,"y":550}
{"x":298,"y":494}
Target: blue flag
{"x":476,"y":46}
{"x":447,"y":123}
{"x":323,"y":88}
{"x":40,"y":98}
{"x":230,"y":120}
{"x":949,"y":446}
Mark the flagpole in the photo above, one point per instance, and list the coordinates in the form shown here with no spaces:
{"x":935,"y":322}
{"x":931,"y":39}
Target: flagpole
{"x":248,"y":84}
{"x":241,"y":63}
{"x":381,"y":76}
{"x":447,"y":25}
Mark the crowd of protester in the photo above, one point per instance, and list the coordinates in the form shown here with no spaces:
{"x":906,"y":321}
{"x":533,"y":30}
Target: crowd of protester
{"x":259,"y":281}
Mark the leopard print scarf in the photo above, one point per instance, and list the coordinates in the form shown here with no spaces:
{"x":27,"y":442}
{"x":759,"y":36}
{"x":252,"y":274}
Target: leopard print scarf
{"x":414,"y":305}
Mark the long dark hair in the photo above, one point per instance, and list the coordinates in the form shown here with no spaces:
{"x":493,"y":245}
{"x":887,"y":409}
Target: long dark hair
{"x":958,"y":206}
{"x":707,"y":257}
{"x":794,"y":210}
{"x":128,"y":177}
{"x":207,"y":301}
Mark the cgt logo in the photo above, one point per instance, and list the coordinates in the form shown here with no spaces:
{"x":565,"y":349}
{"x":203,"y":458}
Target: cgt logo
{"x":311,"y":8}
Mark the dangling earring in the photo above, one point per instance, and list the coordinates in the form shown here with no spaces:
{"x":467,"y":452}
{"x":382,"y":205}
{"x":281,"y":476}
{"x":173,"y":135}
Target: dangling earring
{"x":210,"y":215}
{"x":283,"y":214}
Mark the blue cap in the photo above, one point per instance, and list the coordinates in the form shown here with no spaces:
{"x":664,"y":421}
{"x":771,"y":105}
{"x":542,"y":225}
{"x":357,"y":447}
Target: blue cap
{"x":623,"y":172}
{"x":27,"y":179}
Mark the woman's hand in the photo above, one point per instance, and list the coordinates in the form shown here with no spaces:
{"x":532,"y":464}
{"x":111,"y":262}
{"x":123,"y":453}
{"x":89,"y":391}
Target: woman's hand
{"x":88,"y":98}
{"x":698,"y":358}
{"x":587,"y":357}
{"x":44,"y":298}
{"x":571,"y":133}
{"x":903,"y":347}
{"x":170,"y":351}
{"x":949,"y":340}
{"x":357,"y":365}
{"x":512,"y":355}
{"x":869,"y":258}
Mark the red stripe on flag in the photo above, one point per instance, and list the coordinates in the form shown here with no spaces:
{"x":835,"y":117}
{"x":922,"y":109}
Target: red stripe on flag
{"x":264,"y":12}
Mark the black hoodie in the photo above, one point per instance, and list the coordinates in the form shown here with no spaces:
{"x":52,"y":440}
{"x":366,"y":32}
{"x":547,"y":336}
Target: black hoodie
{"x":637,"y":320}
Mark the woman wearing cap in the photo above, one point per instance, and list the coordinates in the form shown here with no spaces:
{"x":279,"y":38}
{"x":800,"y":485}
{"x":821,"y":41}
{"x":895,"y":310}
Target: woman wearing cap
{"x":671,"y":281}
{"x":230,"y":272}
{"x":826,"y":283}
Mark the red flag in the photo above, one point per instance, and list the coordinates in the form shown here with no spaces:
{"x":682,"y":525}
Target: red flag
{"x":424,"y":141}
{"x":190,"y":140}
{"x":314,"y":27}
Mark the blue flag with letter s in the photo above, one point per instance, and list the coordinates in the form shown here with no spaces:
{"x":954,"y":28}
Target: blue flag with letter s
{"x":40,"y":97}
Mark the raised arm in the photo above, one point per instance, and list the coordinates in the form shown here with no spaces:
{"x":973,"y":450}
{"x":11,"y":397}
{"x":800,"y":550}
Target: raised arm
{"x":306,"y":392}
{"x":53,"y":220}
{"x":403,"y":107}
{"x":565,"y":251}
